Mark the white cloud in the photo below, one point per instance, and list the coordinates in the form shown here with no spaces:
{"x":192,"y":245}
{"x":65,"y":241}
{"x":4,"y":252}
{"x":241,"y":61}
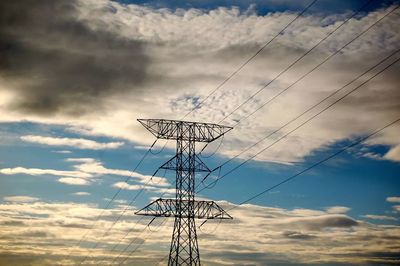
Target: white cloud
{"x":78,"y":143}
{"x":20,"y":198}
{"x":81,"y":193}
{"x":63,"y":152}
{"x":94,"y":167}
{"x":124,"y":185}
{"x":380,"y":217}
{"x":86,"y":170}
{"x":73,"y":181}
{"x":393,"y":154}
{"x":393,"y":199}
{"x":337,"y":209}
{"x":396,"y":208}
{"x":154,"y":189}
{"x":38,"y":171}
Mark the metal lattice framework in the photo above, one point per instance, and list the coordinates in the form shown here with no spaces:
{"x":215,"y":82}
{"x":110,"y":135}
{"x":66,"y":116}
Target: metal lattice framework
{"x":184,"y":247}
{"x":168,"y":207}
{"x":184,"y":130}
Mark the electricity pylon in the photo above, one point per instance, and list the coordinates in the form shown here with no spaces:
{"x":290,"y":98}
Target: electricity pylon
{"x":184,"y":248}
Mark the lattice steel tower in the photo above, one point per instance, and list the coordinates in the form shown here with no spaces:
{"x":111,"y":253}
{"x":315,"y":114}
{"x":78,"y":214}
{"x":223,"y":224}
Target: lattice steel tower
{"x":184,"y":248}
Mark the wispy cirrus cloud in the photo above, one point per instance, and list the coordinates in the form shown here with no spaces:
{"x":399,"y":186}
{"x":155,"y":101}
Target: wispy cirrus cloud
{"x":380,"y":217}
{"x":67,"y":177}
{"x":124,"y":185}
{"x":155,"y":188}
{"x":92,"y":166}
{"x":87,"y":170}
{"x":337,"y":209}
{"x":81,"y":193}
{"x":38,"y":172}
{"x":78,"y":143}
{"x":73,"y":181}
{"x":20,"y":198}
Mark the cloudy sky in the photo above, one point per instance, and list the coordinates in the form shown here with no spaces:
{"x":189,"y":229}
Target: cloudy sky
{"x":76,"y":75}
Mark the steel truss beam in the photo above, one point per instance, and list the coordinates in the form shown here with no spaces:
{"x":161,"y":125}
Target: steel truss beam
{"x":198,"y":167}
{"x":195,"y":131}
{"x":168,"y":207}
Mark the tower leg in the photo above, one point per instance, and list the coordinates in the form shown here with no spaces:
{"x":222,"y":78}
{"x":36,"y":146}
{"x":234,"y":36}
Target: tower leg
{"x":184,"y":248}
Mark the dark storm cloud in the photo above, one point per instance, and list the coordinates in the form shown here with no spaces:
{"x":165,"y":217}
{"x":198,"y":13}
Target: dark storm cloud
{"x":57,"y":63}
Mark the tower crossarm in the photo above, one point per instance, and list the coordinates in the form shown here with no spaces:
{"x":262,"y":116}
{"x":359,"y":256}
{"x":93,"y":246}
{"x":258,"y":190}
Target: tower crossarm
{"x":195,"y":131}
{"x":199,"y":165}
{"x":169,"y":208}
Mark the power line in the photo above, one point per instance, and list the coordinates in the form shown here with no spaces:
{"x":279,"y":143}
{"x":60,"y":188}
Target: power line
{"x":307,"y":110}
{"x":163,"y":147}
{"x":137,"y":247}
{"x":123,"y":212}
{"x":312,"y":3}
{"x":368,"y":29}
{"x":165,"y":191}
{"x":317,"y":66}
{"x":215,"y":151}
{"x":205,"y":99}
{"x":316,"y":164}
{"x":296,"y":61}
{"x":305,"y":122}
{"x":313,"y":69}
{"x":162,"y":259}
{"x":363,"y":139}
{"x":113,"y":198}
{"x":249,"y":59}
{"x":135,"y":239}
{"x":289,"y":67}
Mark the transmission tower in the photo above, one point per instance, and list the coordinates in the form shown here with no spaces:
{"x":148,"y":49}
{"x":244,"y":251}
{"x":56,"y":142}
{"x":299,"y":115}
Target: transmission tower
{"x":184,"y":248}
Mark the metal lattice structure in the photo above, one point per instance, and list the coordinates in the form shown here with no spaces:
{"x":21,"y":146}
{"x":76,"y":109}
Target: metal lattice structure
{"x":184,"y":247}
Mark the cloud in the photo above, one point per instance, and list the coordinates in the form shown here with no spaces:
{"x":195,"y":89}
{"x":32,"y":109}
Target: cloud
{"x":380,"y":217}
{"x":73,"y":181}
{"x":99,"y":65}
{"x":81,"y":193}
{"x":63,"y":152}
{"x":87,"y":170}
{"x":38,"y":171}
{"x":323,"y":221}
{"x":94,"y":167}
{"x":337,"y":209}
{"x":393,"y":154}
{"x":124,"y":185}
{"x":72,"y":142}
{"x":175,"y":54}
{"x":297,"y":235}
{"x":20,"y":198}
{"x":154,"y":189}
{"x":268,"y":235}
{"x":57,"y":63}
{"x":396,"y":208}
{"x":393,"y":199}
